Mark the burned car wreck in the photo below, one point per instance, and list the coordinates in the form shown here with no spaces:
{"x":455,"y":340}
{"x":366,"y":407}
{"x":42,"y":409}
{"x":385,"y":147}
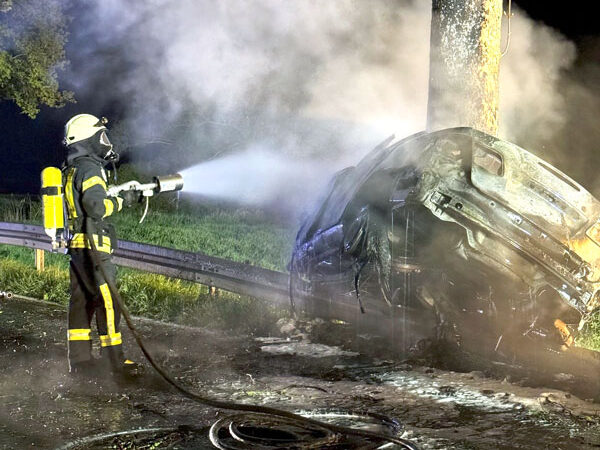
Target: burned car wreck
{"x":453,"y":235}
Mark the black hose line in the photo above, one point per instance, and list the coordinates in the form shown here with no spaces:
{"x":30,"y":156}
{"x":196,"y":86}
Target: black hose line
{"x":210,"y":401}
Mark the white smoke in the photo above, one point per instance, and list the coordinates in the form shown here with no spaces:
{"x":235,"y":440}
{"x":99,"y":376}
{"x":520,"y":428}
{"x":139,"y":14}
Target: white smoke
{"x":320,"y":78}
{"x":325,"y":80}
{"x":532,"y":106}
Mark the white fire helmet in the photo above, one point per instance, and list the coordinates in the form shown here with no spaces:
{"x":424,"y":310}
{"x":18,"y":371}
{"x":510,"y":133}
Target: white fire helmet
{"x":83,"y":126}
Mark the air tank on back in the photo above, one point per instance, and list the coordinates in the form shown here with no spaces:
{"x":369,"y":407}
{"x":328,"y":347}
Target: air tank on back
{"x":53,"y":205}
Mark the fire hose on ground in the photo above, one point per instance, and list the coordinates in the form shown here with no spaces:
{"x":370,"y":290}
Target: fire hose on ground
{"x":300,"y":432}
{"x":244,"y":431}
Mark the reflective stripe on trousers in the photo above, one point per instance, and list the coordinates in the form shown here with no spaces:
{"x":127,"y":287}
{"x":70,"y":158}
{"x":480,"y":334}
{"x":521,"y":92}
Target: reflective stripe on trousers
{"x":79,"y":334}
{"x":112,"y":338}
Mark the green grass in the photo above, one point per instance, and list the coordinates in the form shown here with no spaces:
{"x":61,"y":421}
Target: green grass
{"x":20,"y":208}
{"x":241,"y":235}
{"x":590,"y":337}
{"x":18,"y":277}
{"x":149,"y":295}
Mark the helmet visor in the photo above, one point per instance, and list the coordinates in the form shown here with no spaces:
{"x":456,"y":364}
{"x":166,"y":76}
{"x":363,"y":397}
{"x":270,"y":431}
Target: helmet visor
{"x":107,"y":151}
{"x":104,"y":139}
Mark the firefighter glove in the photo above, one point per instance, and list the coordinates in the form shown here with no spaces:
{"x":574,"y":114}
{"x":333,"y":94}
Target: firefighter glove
{"x":130,"y":198}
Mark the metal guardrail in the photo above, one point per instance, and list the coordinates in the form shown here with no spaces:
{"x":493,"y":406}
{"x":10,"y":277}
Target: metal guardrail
{"x":221,"y":273}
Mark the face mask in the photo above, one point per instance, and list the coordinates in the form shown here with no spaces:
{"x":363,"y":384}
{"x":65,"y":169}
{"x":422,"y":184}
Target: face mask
{"x":104,"y":139}
{"x":107,"y":153}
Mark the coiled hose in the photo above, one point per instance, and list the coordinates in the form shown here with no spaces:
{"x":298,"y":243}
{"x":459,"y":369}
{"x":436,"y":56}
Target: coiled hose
{"x":266,"y":410}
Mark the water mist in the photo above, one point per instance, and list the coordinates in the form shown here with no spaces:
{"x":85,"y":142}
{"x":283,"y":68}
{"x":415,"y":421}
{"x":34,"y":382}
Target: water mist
{"x":260,"y":177}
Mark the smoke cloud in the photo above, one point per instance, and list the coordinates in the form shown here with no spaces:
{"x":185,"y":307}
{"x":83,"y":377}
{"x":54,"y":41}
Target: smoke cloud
{"x":532,"y":105}
{"x":319,"y":83}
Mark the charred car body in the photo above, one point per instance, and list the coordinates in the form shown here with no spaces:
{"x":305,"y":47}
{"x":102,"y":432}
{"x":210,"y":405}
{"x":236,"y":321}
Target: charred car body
{"x":453,"y":235}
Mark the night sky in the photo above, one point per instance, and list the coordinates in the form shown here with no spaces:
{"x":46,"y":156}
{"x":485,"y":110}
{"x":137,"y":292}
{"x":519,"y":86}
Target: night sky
{"x":26,"y":146}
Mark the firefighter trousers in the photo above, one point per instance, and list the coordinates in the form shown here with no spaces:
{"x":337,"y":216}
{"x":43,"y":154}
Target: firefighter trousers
{"x":90,"y":295}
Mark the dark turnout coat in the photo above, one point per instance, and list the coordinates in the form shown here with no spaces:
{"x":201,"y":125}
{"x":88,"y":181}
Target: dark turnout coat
{"x":85,"y":187}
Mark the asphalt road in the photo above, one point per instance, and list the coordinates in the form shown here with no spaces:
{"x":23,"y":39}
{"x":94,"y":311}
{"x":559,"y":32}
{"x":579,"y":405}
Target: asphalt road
{"x":43,"y":407}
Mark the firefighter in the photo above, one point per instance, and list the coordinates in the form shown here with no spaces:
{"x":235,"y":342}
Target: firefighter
{"x":84,"y":178}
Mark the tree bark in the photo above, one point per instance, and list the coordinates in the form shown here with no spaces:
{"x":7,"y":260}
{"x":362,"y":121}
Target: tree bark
{"x":464,"y":64}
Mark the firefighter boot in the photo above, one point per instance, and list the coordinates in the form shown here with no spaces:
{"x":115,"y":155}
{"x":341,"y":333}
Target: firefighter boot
{"x":89,"y":369}
{"x":127,"y":372}
{"x":121,"y":367}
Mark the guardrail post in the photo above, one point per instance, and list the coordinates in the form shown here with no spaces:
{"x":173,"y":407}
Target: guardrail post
{"x":39,"y":259}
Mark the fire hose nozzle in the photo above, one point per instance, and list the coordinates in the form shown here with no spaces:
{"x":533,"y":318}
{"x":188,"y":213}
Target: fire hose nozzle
{"x":168,"y":183}
{"x":164,"y":183}
{"x":6,"y":294}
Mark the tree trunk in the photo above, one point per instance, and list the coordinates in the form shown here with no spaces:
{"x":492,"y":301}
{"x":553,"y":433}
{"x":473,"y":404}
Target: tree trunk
{"x":464,"y":64}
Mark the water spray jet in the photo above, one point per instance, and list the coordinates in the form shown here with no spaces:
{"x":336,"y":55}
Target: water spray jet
{"x":262,"y":178}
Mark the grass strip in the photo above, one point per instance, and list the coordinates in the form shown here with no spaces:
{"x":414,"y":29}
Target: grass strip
{"x":150,"y":295}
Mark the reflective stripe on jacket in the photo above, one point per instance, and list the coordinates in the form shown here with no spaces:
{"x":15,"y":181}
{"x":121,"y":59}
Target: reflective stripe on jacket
{"x":80,"y":240}
{"x":85,"y":194}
